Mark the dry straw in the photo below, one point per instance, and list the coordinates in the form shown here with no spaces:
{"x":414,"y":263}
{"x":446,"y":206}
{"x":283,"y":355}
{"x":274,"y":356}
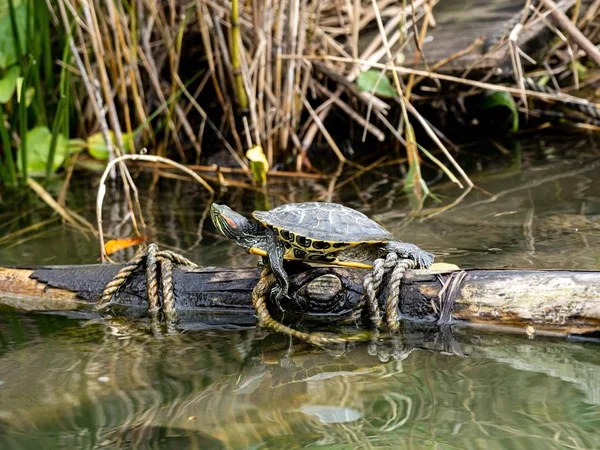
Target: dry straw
{"x":168,"y":71}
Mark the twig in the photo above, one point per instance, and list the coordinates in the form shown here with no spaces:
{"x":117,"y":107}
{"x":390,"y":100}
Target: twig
{"x":560,"y":97}
{"x":102,"y":187}
{"x":353,"y":114}
{"x":49,"y":200}
{"x":323,"y":130}
{"x":565,"y":23}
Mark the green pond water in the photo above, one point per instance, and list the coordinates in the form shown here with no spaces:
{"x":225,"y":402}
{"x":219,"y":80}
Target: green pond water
{"x":68,"y":383}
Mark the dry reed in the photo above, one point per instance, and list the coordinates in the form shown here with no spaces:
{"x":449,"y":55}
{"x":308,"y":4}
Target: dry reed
{"x":167,"y":72}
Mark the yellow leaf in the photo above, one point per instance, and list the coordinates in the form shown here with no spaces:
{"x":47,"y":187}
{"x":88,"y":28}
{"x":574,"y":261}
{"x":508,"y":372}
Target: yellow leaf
{"x":259,"y":165}
{"x":115,"y":245}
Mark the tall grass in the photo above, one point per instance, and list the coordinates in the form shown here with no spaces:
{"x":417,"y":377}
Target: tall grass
{"x":267,"y":73}
{"x":248,"y":58}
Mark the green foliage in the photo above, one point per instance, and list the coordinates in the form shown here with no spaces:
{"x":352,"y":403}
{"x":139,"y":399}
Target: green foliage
{"x":39,"y":141}
{"x":502,"y":100}
{"x":35,"y":106}
{"x":96,"y":146}
{"x":8,"y":83}
{"x":375,"y":81}
{"x":9,"y":51}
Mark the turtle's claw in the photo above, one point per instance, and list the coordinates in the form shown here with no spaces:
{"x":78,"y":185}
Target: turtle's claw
{"x":279,"y":294}
{"x":424,"y":259}
{"x":411,"y":251}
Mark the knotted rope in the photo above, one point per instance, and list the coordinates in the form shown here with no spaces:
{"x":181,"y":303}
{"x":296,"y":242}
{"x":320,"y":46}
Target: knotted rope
{"x":154,"y":261}
{"x":372,"y":284}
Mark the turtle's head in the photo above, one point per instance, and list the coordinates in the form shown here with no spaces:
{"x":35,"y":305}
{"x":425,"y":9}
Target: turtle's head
{"x":234,"y":226}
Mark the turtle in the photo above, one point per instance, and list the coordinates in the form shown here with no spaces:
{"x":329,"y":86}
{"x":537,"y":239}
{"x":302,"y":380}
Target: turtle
{"x":317,"y":232}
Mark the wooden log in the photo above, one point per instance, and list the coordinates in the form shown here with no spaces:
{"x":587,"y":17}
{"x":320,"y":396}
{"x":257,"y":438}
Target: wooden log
{"x":557,"y":302}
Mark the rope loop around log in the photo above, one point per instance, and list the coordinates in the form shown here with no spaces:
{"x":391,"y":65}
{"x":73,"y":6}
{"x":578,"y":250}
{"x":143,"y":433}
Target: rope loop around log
{"x":260,"y":294}
{"x":157,"y":262}
{"x":372,"y":284}
{"x":392,"y":310}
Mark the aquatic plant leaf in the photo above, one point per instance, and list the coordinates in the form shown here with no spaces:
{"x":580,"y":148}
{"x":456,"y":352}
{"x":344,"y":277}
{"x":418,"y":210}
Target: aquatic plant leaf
{"x":96,"y":145}
{"x":29,"y":95}
{"x":372,"y":80}
{"x":259,"y":165}
{"x":8,"y":50}
{"x":39,"y":140}
{"x":502,"y":100}
{"x":8,"y":83}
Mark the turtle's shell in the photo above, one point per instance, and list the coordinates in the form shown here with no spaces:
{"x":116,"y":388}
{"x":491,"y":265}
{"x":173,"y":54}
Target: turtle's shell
{"x":323,"y":222}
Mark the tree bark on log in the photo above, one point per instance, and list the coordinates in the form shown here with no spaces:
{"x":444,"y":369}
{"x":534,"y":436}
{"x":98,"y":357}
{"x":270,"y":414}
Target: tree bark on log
{"x":555,"y":302}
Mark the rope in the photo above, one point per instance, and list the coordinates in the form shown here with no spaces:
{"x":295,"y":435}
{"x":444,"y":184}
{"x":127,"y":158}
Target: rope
{"x":392,"y":310}
{"x":259,"y":300}
{"x":372,"y":284}
{"x":152,"y":282}
{"x":154,"y":261}
{"x":118,"y":280}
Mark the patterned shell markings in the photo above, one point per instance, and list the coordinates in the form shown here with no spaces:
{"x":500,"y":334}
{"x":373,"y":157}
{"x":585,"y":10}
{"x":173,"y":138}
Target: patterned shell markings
{"x":324,"y":221}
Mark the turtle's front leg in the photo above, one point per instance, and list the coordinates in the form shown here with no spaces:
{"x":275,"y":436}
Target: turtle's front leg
{"x":275,"y":252}
{"x":411,"y":251}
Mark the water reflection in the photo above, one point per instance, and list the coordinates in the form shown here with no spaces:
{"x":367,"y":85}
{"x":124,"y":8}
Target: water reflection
{"x":98,"y":386}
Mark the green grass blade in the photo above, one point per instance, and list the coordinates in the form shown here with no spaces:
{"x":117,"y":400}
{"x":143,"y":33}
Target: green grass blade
{"x":8,"y":155}
{"x":44,"y":22}
{"x":23,"y":130}
{"x":61,"y":117}
{"x":13,"y":21}
{"x":440,"y":164}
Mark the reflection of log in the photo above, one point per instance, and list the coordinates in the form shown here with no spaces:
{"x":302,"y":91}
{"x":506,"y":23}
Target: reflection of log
{"x":551,"y":301}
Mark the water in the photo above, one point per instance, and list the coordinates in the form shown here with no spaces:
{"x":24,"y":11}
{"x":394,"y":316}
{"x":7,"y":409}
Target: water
{"x":68,"y":383}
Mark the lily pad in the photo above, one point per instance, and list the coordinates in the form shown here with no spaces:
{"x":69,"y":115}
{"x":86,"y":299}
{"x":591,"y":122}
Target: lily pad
{"x":373,"y":81}
{"x":39,"y":140}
